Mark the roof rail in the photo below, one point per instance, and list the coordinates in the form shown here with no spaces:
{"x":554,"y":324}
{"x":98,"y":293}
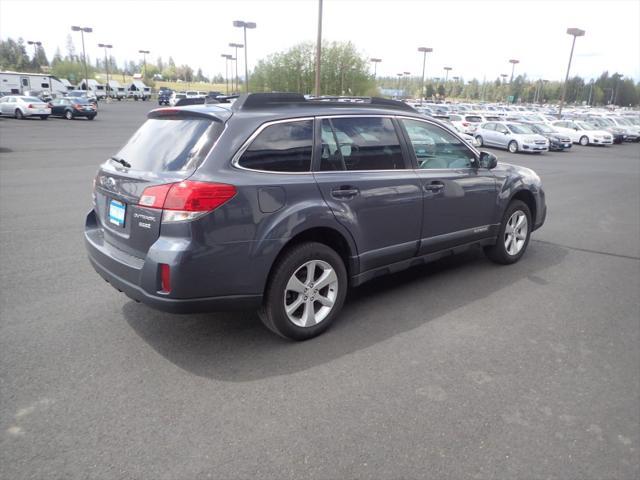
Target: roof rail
{"x":258,"y":101}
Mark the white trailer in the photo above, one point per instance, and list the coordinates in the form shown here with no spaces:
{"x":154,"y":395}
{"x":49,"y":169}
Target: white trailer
{"x":115,"y":90}
{"x":139,"y":91}
{"x":18,"y":83}
{"x":93,"y":85}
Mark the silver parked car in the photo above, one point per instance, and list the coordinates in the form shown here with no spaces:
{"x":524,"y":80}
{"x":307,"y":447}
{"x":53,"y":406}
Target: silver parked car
{"x":515,"y":137}
{"x":21,"y":107}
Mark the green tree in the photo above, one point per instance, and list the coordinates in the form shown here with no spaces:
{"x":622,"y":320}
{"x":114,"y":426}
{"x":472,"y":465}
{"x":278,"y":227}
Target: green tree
{"x":343,"y":70}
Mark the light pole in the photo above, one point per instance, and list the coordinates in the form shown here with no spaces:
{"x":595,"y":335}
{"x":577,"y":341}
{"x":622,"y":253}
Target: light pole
{"x":399,"y":82}
{"x":106,"y":66}
{"x":406,"y":82}
{"x":318,"y":50}
{"x":244,"y":25}
{"x":590,"y":91}
{"x":35,"y":49}
{"x":144,"y":60}
{"x":446,"y":76}
{"x":424,"y":51}
{"x":513,"y":63}
{"x":82,"y":31}
{"x":575,"y":32}
{"x":504,"y":80}
{"x":237,"y":46}
{"x":375,"y":62}
{"x":226,"y":57}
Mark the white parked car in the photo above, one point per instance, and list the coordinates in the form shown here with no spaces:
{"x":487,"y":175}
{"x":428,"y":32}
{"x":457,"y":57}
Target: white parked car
{"x":583,"y":133}
{"x":175,"y":96}
{"x":515,"y":137}
{"x":22,"y":107}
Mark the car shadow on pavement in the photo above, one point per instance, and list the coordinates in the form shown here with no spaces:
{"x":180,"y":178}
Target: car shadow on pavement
{"x":235,"y":346}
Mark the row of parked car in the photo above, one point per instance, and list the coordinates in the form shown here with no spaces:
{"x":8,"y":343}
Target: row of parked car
{"x":69,"y":107}
{"x":540,"y":132}
{"x":166,"y":96}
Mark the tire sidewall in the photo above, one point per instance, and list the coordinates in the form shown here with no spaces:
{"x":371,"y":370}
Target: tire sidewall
{"x":512,"y":142}
{"x":584,"y":144}
{"x":276,"y":317}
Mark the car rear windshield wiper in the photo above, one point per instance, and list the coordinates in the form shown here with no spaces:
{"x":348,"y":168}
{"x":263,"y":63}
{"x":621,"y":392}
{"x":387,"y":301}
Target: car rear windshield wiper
{"x":121,"y":161}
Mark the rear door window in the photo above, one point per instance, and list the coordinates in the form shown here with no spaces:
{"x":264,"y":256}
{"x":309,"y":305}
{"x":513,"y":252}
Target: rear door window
{"x":281,"y":147}
{"x":171,"y":144}
{"x":360,"y":143}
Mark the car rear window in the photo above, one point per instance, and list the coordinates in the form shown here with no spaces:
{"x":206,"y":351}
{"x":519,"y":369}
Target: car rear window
{"x":171,"y":144}
{"x":473,"y":118}
{"x":31,"y":99}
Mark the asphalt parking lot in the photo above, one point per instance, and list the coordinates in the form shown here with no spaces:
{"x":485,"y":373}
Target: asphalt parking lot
{"x":461,"y":369}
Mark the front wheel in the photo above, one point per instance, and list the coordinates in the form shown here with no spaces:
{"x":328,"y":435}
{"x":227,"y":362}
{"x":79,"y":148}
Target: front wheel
{"x":305,"y":292}
{"x":68,"y":115}
{"x":513,"y":146}
{"x":513,"y":236}
{"x":479,"y":140}
{"x":584,"y":140}
{"x":44,"y":117}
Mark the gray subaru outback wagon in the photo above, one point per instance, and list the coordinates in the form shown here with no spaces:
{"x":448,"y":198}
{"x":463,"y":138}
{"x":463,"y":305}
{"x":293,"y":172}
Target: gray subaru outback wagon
{"x":280,"y":203}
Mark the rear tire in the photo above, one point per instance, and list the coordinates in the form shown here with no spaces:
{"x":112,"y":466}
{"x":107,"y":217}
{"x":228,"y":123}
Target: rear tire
{"x":68,"y":115}
{"x":91,"y":117}
{"x":18,"y":114}
{"x":513,"y":238}
{"x":479,"y":140}
{"x":584,"y":140}
{"x":44,"y":117}
{"x":294,"y":283}
{"x":513,"y":146}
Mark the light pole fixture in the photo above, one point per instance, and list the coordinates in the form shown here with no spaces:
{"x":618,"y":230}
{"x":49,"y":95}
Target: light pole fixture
{"x":575,"y":32}
{"x":144,"y":60}
{"x":424,"y":51}
{"x":375,"y":62}
{"x":244,"y":25}
{"x":446,"y":76}
{"x":226,"y":57}
{"x":82,"y":31}
{"x":513,"y":63}
{"x":35,"y":47}
{"x":106,"y":66}
{"x":237,"y":46}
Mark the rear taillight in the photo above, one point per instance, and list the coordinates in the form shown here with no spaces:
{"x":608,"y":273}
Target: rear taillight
{"x":465,"y":124}
{"x":49,"y":105}
{"x":186,"y":200}
{"x":30,"y":106}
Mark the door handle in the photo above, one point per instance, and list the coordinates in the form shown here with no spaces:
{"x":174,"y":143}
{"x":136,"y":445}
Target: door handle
{"x":434,"y":187}
{"x":345,"y":192}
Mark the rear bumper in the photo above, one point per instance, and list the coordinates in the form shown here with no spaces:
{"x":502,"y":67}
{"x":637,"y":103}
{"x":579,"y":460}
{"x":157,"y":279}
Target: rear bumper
{"x":138,"y":278}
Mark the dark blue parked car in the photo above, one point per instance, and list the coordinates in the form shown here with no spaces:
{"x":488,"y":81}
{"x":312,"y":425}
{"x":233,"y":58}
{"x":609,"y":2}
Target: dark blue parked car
{"x":280,"y":204}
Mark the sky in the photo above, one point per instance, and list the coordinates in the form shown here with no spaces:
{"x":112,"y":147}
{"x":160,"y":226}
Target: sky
{"x":474,"y":37}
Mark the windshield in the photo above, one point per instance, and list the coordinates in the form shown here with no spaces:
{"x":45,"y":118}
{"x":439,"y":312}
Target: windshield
{"x":604,"y":121}
{"x":515,"y":128}
{"x":624,"y":121}
{"x":170,"y":144}
{"x":473,"y":118}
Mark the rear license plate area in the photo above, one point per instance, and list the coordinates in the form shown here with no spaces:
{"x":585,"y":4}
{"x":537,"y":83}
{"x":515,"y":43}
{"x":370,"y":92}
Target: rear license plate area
{"x":117,"y":213}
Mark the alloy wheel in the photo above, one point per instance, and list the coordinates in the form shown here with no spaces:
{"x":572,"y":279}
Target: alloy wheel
{"x":311,"y":293}
{"x":515,"y":233}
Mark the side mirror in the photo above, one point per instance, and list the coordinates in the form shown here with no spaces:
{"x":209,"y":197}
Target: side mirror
{"x":488,"y":160}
